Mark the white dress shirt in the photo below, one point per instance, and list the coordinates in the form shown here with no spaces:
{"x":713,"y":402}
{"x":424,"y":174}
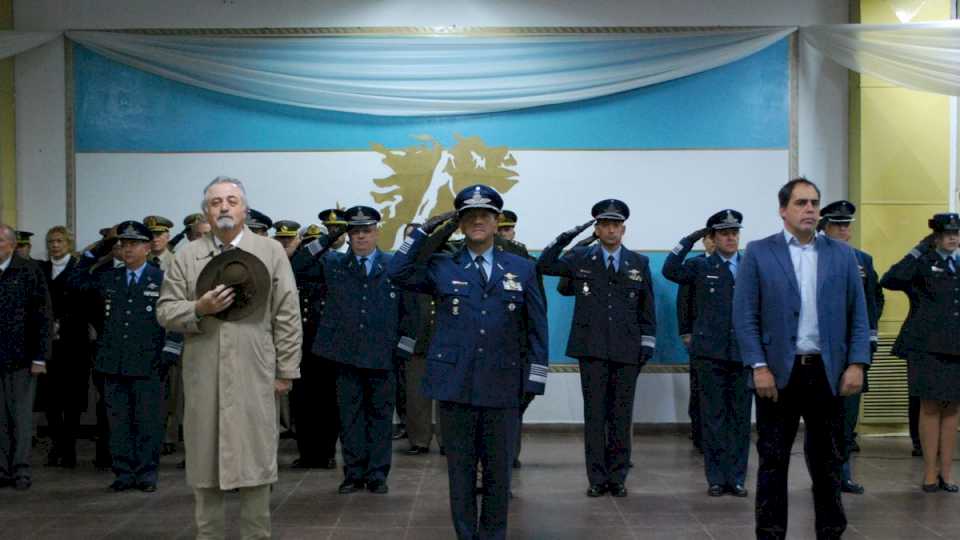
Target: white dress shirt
{"x":58,"y":265}
{"x":804,"y":258}
{"x":487,"y":260}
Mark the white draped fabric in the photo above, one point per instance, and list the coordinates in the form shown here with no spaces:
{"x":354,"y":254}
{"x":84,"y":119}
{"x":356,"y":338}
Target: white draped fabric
{"x":13,"y":42}
{"x":425,"y":76}
{"x":922,"y":56}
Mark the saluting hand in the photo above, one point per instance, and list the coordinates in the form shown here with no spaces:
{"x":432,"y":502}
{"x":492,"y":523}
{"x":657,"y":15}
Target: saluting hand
{"x":214,"y":301}
{"x":434,"y":222}
{"x":852,"y":381}
{"x":764,"y":383}
{"x":698,"y":234}
{"x":572,"y":233}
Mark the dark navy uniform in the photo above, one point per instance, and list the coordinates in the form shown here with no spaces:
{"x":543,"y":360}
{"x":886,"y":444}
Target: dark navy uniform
{"x":314,"y":397}
{"x":685,"y":315}
{"x":488,"y":348}
{"x":613,"y":335}
{"x":359,"y":331}
{"x":932,"y":280}
{"x":131,"y":358}
{"x":725,"y":399}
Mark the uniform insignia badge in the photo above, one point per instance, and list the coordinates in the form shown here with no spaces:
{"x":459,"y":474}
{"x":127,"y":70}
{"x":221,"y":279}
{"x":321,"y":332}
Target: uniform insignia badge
{"x":393,"y":294}
{"x":511,"y":306}
{"x":460,"y":283}
{"x":149,"y":309}
{"x":130,"y":231}
{"x":154,"y":294}
{"x":863,"y":273}
{"x":476,"y":198}
{"x":152,"y":286}
{"x":586,"y":288}
{"x":937,"y":269}
{"x":455,"y":310}
{"x":634,"y":274}
{"x":360,"y":216}
{"x":455,"y":301}
{"x":510,"y":282}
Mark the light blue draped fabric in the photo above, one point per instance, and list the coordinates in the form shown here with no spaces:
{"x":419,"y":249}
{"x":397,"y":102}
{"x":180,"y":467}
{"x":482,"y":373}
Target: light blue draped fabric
{"x":426,"y":76}
{"x":13,"y":42}
{"x":922,"y":56}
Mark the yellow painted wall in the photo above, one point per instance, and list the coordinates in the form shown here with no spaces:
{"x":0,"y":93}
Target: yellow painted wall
{"x":899,"y":159}
{"x":8,"y":169}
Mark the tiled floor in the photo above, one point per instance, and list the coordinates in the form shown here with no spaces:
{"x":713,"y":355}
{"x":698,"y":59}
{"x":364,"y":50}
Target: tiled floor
{"x":667,"y":499}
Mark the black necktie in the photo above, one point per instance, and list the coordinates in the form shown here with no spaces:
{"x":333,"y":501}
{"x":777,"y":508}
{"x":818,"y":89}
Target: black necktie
{"x":131,"y":281}
{"x":611,"y":269}
{"x":483,"y":274}
{"x":363,"y":265}
{"x":952,"y":264}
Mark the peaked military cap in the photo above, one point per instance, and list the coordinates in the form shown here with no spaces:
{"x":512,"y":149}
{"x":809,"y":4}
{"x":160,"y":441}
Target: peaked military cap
{"x":508,"y":218}
{"x":945,"y":222}
{"x":311,"y":231}
{"x":257,"y":220}
{"x":725,"y":219}
{"x":358,"y":216}
{"x":134,"y":230}
{"x":23,"y":237}
{"x":245,"y":274}
{"x":839,"y":212}
{"x":478,"y":196}
{"x":286,"y":228}
{"x":333,"y":216}
{"x":193,"y":219}
{"x":158,"y":224}
{"x":612,"y":209}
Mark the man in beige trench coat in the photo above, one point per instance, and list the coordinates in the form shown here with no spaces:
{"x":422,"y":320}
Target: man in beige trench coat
{"x":232,"y":371}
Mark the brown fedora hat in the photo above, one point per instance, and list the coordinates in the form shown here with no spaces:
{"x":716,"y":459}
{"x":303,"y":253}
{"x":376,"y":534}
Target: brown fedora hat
{"x":242,"y":271}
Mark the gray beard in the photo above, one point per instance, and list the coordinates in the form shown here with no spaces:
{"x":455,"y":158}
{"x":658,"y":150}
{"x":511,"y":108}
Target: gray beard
{"x":225,"y":223}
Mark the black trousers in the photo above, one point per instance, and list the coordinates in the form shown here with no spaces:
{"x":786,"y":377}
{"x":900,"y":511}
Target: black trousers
{"x":525,"y":402}
{"x":473,"y":435}
{"x":725,"y":403}
{"x":807,"y":395}
{"x":608,"y":392}
{"x":136,"y":412}
{"x":365,"y":398}
{"x":693,"y":405}
{"x":103,"y":423}
{"x":17,"y":390}
{"x":316,"y":414}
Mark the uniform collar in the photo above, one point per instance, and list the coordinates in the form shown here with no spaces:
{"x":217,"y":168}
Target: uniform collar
{"x":487,"y":255}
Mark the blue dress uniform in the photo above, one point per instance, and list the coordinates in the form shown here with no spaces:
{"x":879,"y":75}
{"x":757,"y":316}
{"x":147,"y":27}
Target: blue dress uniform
{"x":685,"y":316}
{"x":132,"y":360}
{"x":613,"y":334}
{"x":489,"y":348}
{"x":932,"y":280}
{"x":725,"y":399}
{"x":359,"y":331}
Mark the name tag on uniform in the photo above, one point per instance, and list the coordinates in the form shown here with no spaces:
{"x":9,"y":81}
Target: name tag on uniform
{"x":712,"y":277}
{"x":151,"y":293}
{"x":510,"y":282}
{"x":459,"y":283}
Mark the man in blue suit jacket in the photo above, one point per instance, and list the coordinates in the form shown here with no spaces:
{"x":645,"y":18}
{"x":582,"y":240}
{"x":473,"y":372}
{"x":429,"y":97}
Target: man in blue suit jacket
{"x":801,"y":324}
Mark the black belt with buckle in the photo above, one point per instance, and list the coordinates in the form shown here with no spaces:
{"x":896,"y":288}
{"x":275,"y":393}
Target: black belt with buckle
{"x":808,"y":359}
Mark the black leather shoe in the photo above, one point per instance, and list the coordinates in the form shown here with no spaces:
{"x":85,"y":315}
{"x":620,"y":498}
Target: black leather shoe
{"x":417,"y":450}
{"x":930,"y":488}
{"x":22,"y":484}
{"x":329,"y":464}
{"x":849,"y":486}
{"x":715,"y":490}
{"x":350,"y":486}
{"x":400,"y":433}
{"x":119,"y":485}
{"x":168,"y":448}
{"x":517,"y":464}
{"x":596,"y":490}
{"x":378,"y":486}
{"x":6,"y":482}
{"x":147,"y":487}
{"x":443,"y":451}
{"x":737,"y":490}
{"x":917,"y":451}
{"x":303,"y":464}
{"x":854,"y":446}
{"x":617,"y":490}
{"x":949,"y":488}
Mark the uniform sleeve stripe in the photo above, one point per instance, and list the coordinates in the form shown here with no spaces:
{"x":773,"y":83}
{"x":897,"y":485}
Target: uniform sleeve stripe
{"x":677,"y":249}
{"x":405,"y":246}
{"x":406,"y":344}
{"x":542,"y":379}
{"x":648,"y":341}
{"x":173,"y":347}
{"x":314,"y":248}
{"x":916,"y":254}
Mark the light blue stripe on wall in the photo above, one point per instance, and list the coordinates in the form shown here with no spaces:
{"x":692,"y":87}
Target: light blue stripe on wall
{"x":741,"y":105}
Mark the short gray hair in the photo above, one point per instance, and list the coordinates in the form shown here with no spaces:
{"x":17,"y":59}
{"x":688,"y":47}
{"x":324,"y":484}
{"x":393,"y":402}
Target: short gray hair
{"x":9,"y":232}
{"x":223,"y":180}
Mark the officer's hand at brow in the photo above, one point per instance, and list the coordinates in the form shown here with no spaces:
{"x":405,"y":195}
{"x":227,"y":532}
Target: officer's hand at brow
{"x":577,"y":230}
{"x":434,"y":222}
{"x":764,"y":383}
{"x":852,"y":381}
{"x":698,"y":234}
{"x":214,"y":301}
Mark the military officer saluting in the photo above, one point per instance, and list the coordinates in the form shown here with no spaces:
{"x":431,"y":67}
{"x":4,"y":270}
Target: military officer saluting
{"x":335,"y":219}
{"x":130,"y":355}
{"x":724,"y":397}
{"x":488,"y":348}
{"x":24,"y":244}
{"x":159,"y":252}
{"x":258,"y":222}
{"x":612,"y":336}
{"x":288,"y":234}
{"x":359,"y":331}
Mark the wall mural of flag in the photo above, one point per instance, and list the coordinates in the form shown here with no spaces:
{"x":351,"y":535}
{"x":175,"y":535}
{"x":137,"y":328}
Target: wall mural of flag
{"x":675,"y":152}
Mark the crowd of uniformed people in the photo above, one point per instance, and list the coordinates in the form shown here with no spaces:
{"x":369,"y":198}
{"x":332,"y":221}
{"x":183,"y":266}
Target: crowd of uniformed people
{"x":449,"y":334}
